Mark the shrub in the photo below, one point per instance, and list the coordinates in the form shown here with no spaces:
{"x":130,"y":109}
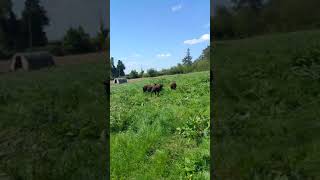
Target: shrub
{"x":77,"y":41}
{"x":133,"y":74}
{"x":152,"y":72}
{"x":195,"y":128}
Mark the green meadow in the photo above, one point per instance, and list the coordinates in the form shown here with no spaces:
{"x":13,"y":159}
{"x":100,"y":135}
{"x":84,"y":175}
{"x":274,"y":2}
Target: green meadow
{"x":161,"y":137}
{"x":266,"y":107}
{"x":52,"y":123}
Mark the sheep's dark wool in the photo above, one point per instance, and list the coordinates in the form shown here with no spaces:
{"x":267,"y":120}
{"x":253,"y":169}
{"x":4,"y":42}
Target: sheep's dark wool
{"x":173,"y":85}
{"x":147,"y":88}
{"x":156,"y":89}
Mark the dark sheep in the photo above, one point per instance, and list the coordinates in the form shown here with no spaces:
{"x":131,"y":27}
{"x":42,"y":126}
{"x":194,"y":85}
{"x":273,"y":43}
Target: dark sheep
{"x":156,"y":89}
{"x":147,"y":88}
{"x":150,"y":88}
{"x":173,"y":85}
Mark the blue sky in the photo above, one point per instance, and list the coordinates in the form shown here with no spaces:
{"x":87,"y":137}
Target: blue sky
{"x":156,"y":33}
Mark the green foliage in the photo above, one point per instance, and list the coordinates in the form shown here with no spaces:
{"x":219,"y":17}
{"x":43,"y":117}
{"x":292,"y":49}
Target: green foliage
{"x":133,"y":74}
{"x":307,"y":57}
{"x":77,"y":41}
{"x":120,"y":68}
{"x":187,"y":60}
{"x":306,"y":63}
{"x":152,"y":72}
{"x":11,"y":31}
{"x":267,"y":107}
{"x":101,"y":41}
{"x":5,"y":7}
{"x":244,"y":18}
{"x":34,"y":19}
{"x":51,"y":123}
{"x":195,"y":128}
{"x":144,"y":140}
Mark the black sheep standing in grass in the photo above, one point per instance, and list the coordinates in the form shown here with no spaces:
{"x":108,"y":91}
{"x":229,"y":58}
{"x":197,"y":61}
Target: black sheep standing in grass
{"x":156,"y":89}
{"x":173,"y":85}
{"x":147,"y":88}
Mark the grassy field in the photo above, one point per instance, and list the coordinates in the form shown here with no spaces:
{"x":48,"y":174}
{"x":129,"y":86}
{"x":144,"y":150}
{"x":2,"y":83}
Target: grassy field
{"x":266,"y":107}
{"x":164,"y":137}
{"x":52,"y":123}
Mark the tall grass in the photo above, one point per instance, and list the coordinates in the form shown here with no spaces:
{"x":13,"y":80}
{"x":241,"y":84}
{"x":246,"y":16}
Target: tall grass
{"x":266,"y":107}
{"x":151,"y":137}
{"x":51,"y":123}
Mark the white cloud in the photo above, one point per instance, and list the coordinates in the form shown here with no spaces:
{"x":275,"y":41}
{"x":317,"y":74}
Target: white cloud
{"x":176,"y":8}
{"x":203,"y":38}
{"x":163,"y":55}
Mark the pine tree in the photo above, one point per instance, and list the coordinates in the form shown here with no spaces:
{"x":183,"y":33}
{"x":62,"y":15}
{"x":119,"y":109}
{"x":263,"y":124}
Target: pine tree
{"x":120,"y":68}
{"x":114,"y":72}
{"x":34,"y":18}
{"x":187,"y":60}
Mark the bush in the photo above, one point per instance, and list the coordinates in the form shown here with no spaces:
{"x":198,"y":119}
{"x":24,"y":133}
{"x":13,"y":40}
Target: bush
{"x":195,"y":128}
{"x":77,"y":41}
{"x":133,"y":74}
{"x":152,"y":72}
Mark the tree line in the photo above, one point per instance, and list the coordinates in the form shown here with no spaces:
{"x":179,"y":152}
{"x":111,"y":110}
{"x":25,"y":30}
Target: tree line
{"x":202,"y":63}
{"x":27,"y":33}
{"x":245,"y":18}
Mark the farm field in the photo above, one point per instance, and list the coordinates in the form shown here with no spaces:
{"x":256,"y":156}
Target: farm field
{"x":161,"y":137}
{"x":52,"y":123}
{"x":266,"y":107}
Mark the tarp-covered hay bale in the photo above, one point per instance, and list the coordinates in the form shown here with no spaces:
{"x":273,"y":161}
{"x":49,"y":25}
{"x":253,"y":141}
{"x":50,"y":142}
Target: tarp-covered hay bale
{"x":31,"y":61}
{"x":120,"y":80}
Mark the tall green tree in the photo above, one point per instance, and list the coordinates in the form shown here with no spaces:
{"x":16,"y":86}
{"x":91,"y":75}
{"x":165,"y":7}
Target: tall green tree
{"x":77,"y":41}
{"x":102,"y":38}
{"x":13,"y":33}
{"x":120,"y":68}
{"x":223,"y":23}
{"x":152,"y":72}
{"x":5,"y":8}
{"x":187,"y":60}
{"x":133,"y":74}
{"x":34,"y":18}
{"x":114,"y":72}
